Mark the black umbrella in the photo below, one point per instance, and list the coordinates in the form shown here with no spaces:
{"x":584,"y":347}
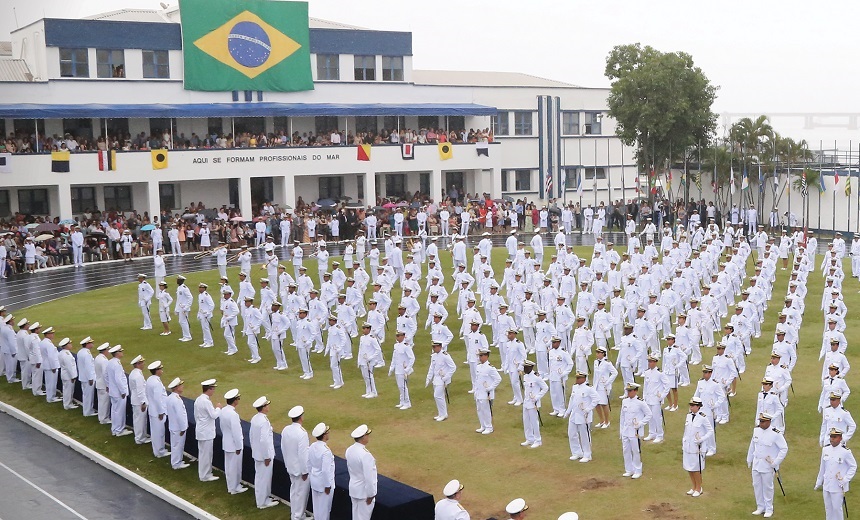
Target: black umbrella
{"x":415,"y":205}
{"x":326,"y":202}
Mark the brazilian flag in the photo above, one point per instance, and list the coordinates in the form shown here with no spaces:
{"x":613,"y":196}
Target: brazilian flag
{"x":249,"y":45}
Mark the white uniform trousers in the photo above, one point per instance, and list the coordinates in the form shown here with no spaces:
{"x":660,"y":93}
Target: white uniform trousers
{"x":529,"y":338}
{"x":206,"y":326}
{"x":176,"y":247}
{"x":78,"y":254}
{"x":542,"y":357}
{"x":26,"y":375}
{"x":261,"y":237}
{"x":439,"y":397}
{"x":404,"y":389}
{"x":262,"y":481}
{"x":87,"y":391}
{"x":156,"y":433}
{"x":253,"y":346}
{"x":177,"y":447}
{"x":117,"y":414}
{"x":531,"y":425}
{"x":556,"y":393}
{"x":204,"y":459}
{"x":278,"y":351}
{"x":369,"y":383}
{"x":631,"y":447}
{"x":485,"y":416}
{"x":473,"y":369}
{"x":230,"y":337}
{"x":833,"y":500}
{"x":763,"y":488}
{"x":444,"y":224}
{"x":183,"y":324}
{"x":360,"y":509}
{"x":305,"y":359}
{"x":68,"y":394}
{"x":139,"y":424}
{"x":233,"y":470}
{"x":11,"y":363}
{"x":626,"y":374}
{"x":517,"y":387}
{"x":51,"y":385}
{"x":655,"y":425}
{"x":322,"y":504}
{"x":222,"y":270}
{"x":589,"y":225}
{"x":37,"y":378}
{"x":336,"y":372}
{"x":299,"y":490}
{"x":464,"y":228}
{"x":579,"y":436}
{"x":104,"y":405}
{"x":147,"y":321}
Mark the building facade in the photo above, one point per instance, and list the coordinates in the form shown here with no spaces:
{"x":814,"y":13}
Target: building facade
{"x":121,"y":73}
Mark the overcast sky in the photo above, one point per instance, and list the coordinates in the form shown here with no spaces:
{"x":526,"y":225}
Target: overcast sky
{"x":766,"y":56}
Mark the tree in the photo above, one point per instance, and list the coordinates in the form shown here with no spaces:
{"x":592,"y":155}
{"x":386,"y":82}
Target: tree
{"x":661,"y":101}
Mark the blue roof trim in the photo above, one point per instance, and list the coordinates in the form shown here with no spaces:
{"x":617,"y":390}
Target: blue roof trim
{"x":353,"y":41}
{"x":35,"y":111}
{"x":108,"y":34}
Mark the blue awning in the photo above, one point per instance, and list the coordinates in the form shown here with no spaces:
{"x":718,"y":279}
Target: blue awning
{"x":36,"y":111}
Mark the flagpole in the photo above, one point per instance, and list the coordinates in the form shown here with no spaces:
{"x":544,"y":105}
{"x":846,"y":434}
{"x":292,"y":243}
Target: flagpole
{"x":580,"y":170}
{"x":848,"y":181}
{"x":699,"y":157}
{"x":609,"y":177}
{"x":820,"y":177}
{"x":594,"y":179}
{"x":835,"y":165}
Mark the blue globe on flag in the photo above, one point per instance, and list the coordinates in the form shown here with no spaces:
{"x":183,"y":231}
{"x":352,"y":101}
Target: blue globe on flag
{"x":249,"y":44}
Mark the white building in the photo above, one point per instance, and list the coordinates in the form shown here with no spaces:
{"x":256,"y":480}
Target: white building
{"x":60,"y":76}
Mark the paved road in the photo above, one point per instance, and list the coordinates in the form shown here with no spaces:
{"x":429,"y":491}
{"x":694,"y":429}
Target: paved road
{"x":43,"y":480}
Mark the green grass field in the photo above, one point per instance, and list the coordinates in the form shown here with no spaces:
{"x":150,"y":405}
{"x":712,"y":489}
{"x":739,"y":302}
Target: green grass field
{"x":409,"y":446}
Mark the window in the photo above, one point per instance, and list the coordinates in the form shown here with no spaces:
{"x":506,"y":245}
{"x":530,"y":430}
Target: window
{"x":522,"y":123}
{"x":83,"y":199}
{"x":33,"y":202}
{"x":428,"y":122}
{"x":118,"y":198}
{"x":159,"y":125}
{"x":359,"y":179}
{"x":571,"y":180}
{"x":392,"y":68}
{"x":74,"y":63}
{"x":328,"y":67}
{"x":500,"y":124}
{"x":395,"y":184}
{"x":365,"y":124}
{"x":455,"y":123}
{"x":110,"y":63}
{"x":570,"y":123}
{"x":523,"y":180}
{"x":365,"y":68}
{"x":156,"y":65}
{"x":590,"y":173}
{"x":167,"y":196}
{"x":5,"y":207}
{"x":214,"y":126}
{"x":505,"y":175}
{"x":79,"y":128}
{"x":592,"y":123}
{"x":254,"y":125}
{"x":394,"y":122}
{"x":424,"y":183}
{"x":331,"y":187}
{"x":325,"y":124}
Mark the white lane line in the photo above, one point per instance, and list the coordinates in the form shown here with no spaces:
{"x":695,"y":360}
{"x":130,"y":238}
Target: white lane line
{"x":52,"y":497}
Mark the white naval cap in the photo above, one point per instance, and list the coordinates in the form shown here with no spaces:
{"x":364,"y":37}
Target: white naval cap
{"x":295,"y":412}
{"x":452,"y":488}
{"x":260,"y":402}
{"x":86,"y":340}
{"x":173,"y":384}
{"x":115,"y":349}
{"x":138,"y":359}
{"x":209,"y":382}
{"x":48,"y":330}
{"x":517,"y":505}
{"x":7,"y":318}
{"x":360,"y":432}
{"x":232,"y":394}
{"x":63,"y":342}
{"x":35,"y":326}
{"x":23,"y":322}
{"x":104,"y":346}
{"x":320,"y":430}
{"x":569,"y":516}
{"x":155,"y":365}
{"x":141,"y":275}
